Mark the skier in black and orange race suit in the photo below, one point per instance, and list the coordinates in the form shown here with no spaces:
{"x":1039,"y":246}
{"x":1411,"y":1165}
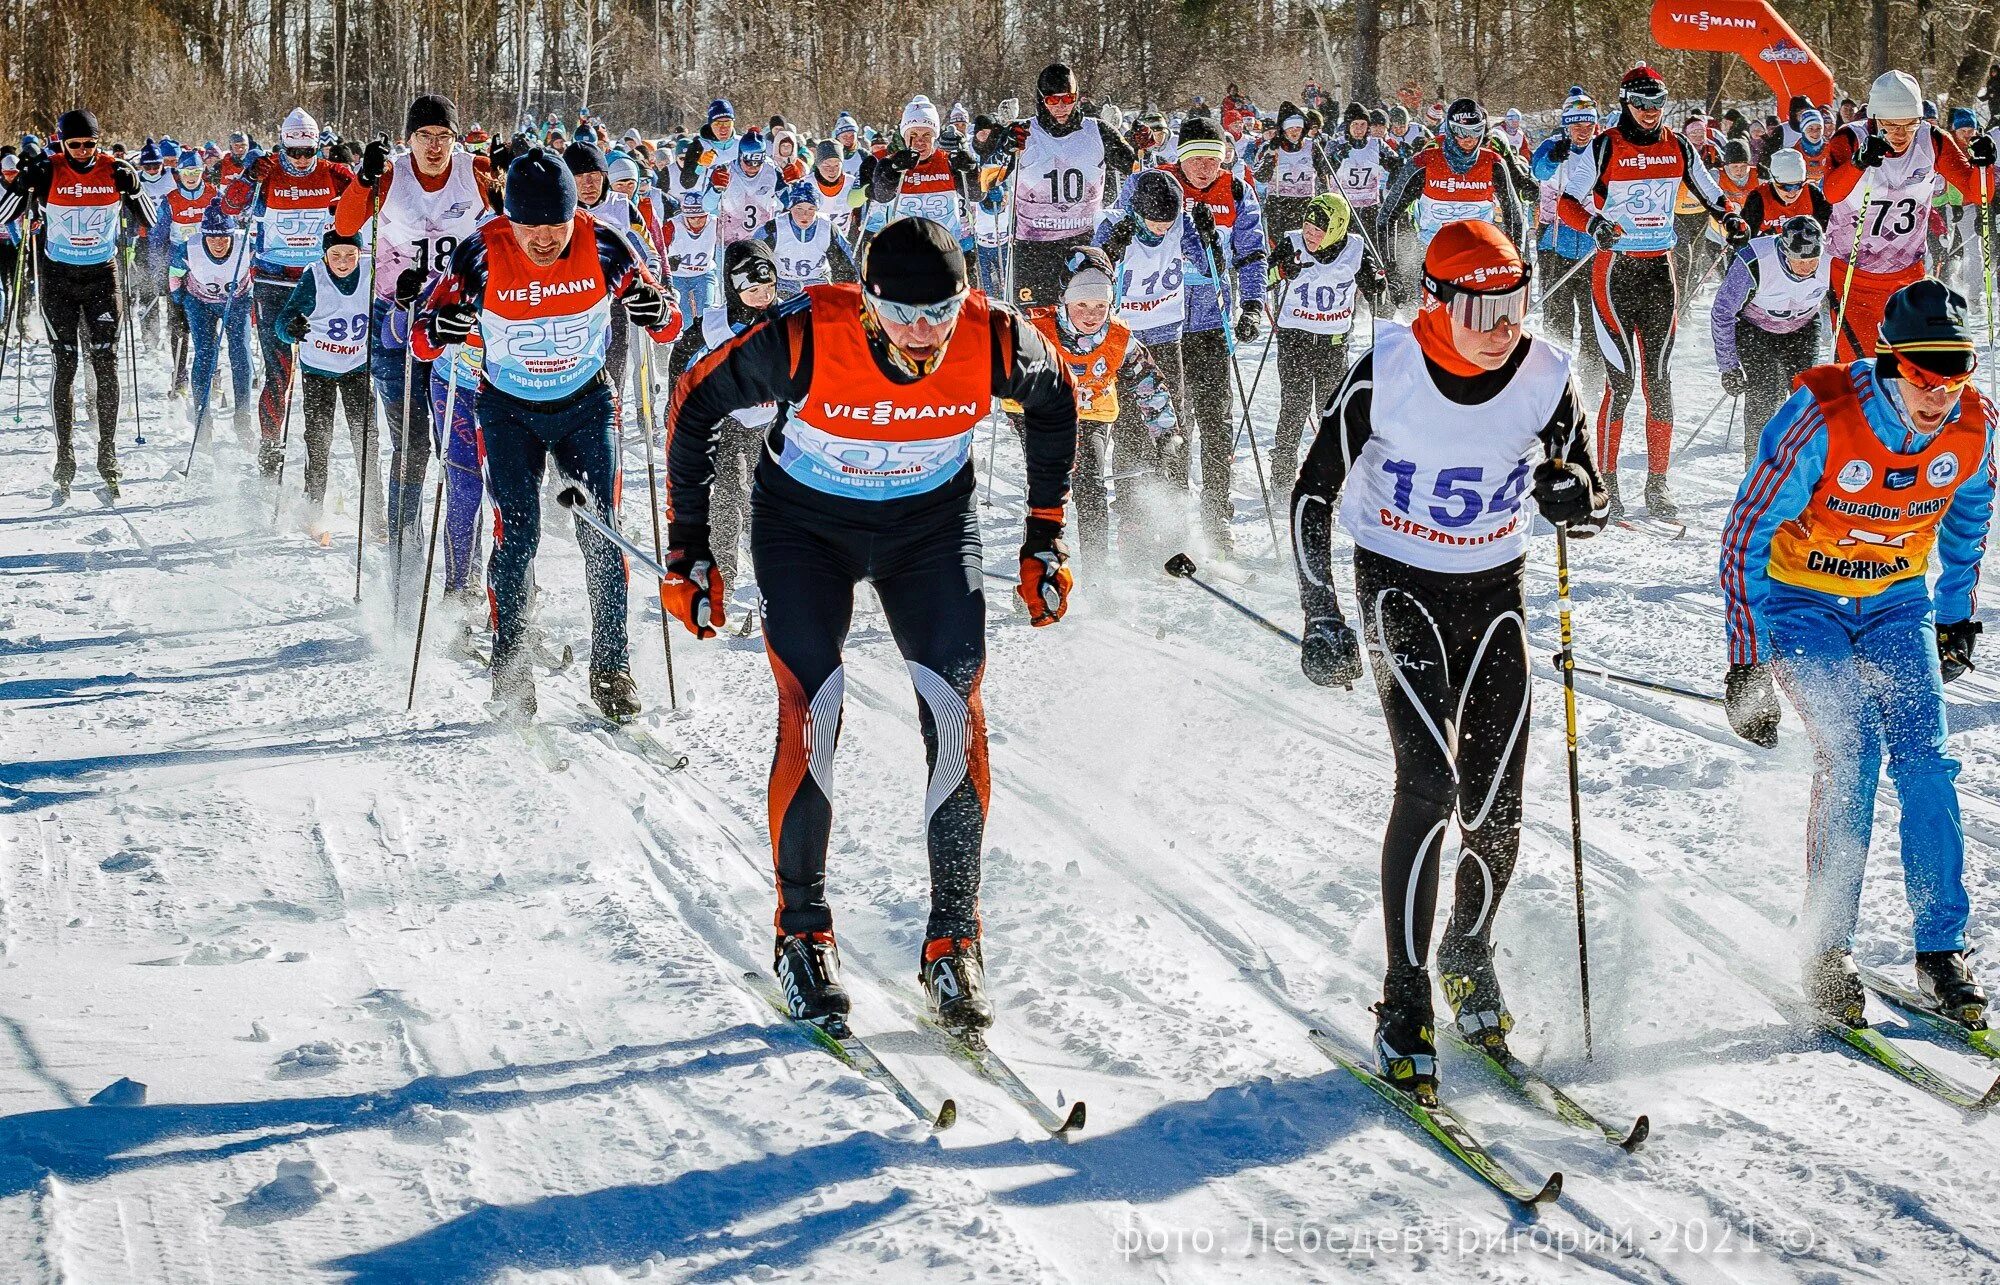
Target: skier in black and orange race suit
{"x":867,"y":475}
{"x":537,"y":285}
{"x":1638,"y":168}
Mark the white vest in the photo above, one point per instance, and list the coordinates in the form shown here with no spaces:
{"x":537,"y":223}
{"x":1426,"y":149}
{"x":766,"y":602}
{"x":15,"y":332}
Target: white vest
{"x":1895,"y":227}
{"x":419,"y":229}
{"x":1293,"y":173}
{"x":1059,"y":183}
{"x":337,"y":331}
{"x":1320,"y":300}
{"x":216,"y":282}
{"x":715,"y":332}
{"x":1443,"y":486}
{"x":696,"y":253}
{"x":1152,"y":290}
{"x":1781,"y":302}
{"x":749,"y":202}
{"x":801,"y":258}
{"x":1360,"y":173}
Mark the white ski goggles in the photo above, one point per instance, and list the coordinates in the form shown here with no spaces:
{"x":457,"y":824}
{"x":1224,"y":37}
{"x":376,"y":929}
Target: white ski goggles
{"x":909,"y":314}
{"x":1476,"y":310}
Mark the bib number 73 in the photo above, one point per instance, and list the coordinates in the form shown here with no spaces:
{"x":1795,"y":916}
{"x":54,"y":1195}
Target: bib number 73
{"x":1460,"y":497}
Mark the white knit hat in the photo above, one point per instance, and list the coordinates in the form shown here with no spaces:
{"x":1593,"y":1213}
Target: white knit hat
{"x":1895,"y":96}
{"x":299,"y":130}
{"x":920,"y":112}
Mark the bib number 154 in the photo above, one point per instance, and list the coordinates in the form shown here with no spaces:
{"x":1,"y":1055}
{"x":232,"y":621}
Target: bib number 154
{"x":1461,"y":498}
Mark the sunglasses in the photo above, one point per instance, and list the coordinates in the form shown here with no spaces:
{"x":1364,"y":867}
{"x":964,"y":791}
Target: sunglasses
{"x":1478,"y":310}
{"x":909,"y":314}
{"x":1647,"y":101}
{"x":1059,"y":100}
{"x":302,"y":153}
{"x":1930,"y":381}
{"x":79,"y":144}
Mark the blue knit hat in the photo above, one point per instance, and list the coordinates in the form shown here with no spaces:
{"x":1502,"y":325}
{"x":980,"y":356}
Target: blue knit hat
{"x":540,"y":190}
{"x":1924,"y":324}
{"x":721,"y":109}
{"x":214,"y":222}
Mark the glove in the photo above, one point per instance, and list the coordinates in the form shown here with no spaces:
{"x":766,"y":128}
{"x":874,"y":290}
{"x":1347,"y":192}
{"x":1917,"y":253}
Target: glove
{"x":1751,"y":699}
{"x":1736,"y":229}
{"x":1249,"y":320}
{"x":951,"y":140}
{"x":1559,"y":150}
{"x":453,"y":322}
{"x":409,"y":287}
{"x":1330,"y":654}
{"x":1016,"y":136}
{"x":1045,"y":575}
{"x":1562,"y":491}
{"x":718,"y":178}
{"x":1955,"y":647}
{"x":693,"y":591}
{"x":1982,"y":150}
{"x":1204,"y":219}
{"x":1873,"y":152}
{"x":673,"y":263}
{"x":1605,"y":232}
{"x":1733,"y":382}
{"x":963,"y":162}
{"x":374,"y":163}
{"x":645,"y":305}
{"x":292,"y":330}
{"x":1121,"y":236}
{"x":1372,"y":281}
{"x":125,"y":178}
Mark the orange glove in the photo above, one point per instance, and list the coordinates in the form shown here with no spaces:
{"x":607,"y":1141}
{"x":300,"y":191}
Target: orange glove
{"x":1045,"y":574}
{"x":693,"y":591}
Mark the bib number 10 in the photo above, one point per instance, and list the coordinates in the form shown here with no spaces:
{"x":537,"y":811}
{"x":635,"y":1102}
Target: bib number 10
{"x":1065,"y":186}
{"x":1461,"y":499}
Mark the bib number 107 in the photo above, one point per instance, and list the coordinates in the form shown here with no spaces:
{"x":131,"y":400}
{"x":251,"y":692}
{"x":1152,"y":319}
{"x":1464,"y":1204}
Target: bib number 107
{"x":1460,"y":495}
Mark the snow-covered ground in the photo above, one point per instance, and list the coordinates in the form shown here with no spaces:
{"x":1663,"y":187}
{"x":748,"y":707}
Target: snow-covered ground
{"x":411,"y":1007}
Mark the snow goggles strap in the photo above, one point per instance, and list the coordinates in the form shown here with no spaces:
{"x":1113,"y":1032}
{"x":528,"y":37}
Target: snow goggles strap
{"x":1482,"y":310}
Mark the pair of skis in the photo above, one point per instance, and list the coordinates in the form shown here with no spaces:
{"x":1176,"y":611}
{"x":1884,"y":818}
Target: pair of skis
{"x":837,"y":1038}
{"x":1448,"y":1128}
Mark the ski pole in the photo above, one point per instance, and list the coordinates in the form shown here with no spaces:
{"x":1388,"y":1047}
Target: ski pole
{"x":1278,"y":548}
{"x":437,"y":512}
{"x":573,"y":499}
{"x":131,"y":329}
{"x":1704,"y":422}
{"x":362,"y":460}
{"x":285,"y":442}
{"x":1182,"y":567}
{"x":1564,"y":279}
{"x":1643,"y":684}
{"x":402,"y":462}
{"x":1853,"y":249}
{"x":653,"y":490}
{"x":1278,"y":309}
{"x":1567,"y":660}
{"x":1007,"y":229}
{"x":1986,"y":254}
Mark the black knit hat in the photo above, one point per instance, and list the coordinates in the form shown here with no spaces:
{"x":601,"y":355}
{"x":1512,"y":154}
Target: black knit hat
{"x":331,"y":238}
{"x":539,"y":190}
{"x":1355,"y":111}
{"x":76,"y":124}
{"x":913,"y":260}
{"x":1155,"y":195}
{"x":1924,"y":324}
{"x":427,"y":110}
{"x":584,"y":158}
{"x":1056,"y":78}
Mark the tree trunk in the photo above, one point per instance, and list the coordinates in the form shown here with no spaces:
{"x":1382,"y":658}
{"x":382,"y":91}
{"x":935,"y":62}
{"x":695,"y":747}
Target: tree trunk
{"x":1878,"y":35}
{"x":1367,"y":50}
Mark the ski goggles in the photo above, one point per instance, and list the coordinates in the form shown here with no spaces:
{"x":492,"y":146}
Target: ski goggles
{"x":752,"y":273}
{"x":1647,"y":100}
{"x":909,"y":314}
{"x":1467,"y":131}
{"x":1059,"y":100}
{"x":1482,"y":310}
{"x":1929,"y":381}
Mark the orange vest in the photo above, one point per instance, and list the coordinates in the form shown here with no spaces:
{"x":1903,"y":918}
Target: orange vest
{"x":1777,"y":209}
{"x":857,"y":433}
{"x":1096,"y":371}
{"x":1873,"y":516}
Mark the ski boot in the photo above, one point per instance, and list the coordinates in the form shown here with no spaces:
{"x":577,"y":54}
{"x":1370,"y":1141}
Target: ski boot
{"x":65,"y":474}
{"x":1472,"y":988}
{"x":1405,"y":1048}
{"x":1944,"y":980}
{"x":1658,"y":503}
{"x":1615,"y":512}
{"x":513,"y":685}
{"x":1833,"y":985}
{"x":953,"y":973}
{"x":808,"y":969}
{"x":615,"y":694}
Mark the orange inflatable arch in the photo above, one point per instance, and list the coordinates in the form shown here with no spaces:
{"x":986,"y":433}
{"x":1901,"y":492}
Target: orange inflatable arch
{"x":1752,"y":30}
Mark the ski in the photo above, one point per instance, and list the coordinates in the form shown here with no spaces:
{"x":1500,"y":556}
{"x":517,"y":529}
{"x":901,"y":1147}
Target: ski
{"x":1528,"y":1085}
{"x":971,"y":1048}
{"x":1661,"y":527}
{"x":842,"y":1043}
{"x":534,"y":735}
{"x":637,"y":739}
{"x":1981,"y":1040}
{"x":1443,"y":1124}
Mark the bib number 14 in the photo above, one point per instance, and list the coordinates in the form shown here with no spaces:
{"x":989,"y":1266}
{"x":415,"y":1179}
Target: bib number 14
{"x":1461,"y":498}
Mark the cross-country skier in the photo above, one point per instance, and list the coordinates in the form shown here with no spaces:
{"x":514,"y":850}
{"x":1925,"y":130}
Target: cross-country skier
{"x":209,"y":280}
{"x":1060,"y":161}
{"x":1880,"y":174}
{"x":1785,"y":195}
{"x":745,"y":189}
{"x":327,"y":318}
{"x":1363,"y":164}
{"x":179,"y":222}
{"x":690,"y":245}
{"x":867,"y":475}
{"x":1290,"y":172}
{"x":808,"y":248}
{"x":925,"y":180}
{"x":1562,"y":160}
{"x":1765,"y":320}
{"x":1321,"y":271}
{"x":537,"y":285}
{"x":1869,"y":473}
{"x":80,"y":195}
{"x":1433,"y":448}
{"x":1463,"y":177}
{"x":1637,"y":167}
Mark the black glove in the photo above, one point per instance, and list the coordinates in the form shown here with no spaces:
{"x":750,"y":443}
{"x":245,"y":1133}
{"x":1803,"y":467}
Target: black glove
{"x":1562,"y":491}
{"x":1330,"y":654}
{"x":1372,"y":280}
{"x":1016,"y":136}
{"x":1559,"y":150}
{"x":1751,"y":699}
{"x":645,"y":305}
{"x":1981,"y":151}
{"x":453,"y":322}
{"x":1204,"y":219}
{"x":951,"y":140}
{"x":1249,"y":320}
{"x":1955,"y":647}
{"x":1045,"y":575}
{"x":900,"y":162}
{"x":125,"y":178}
{"x":1873,"y":152}
{"x":374,"y":163}
{"x":1605,"y":232}
{"x":693,"y":592}
{"x":1736,"y":229}
{"x":1121,"y":236}
{"x":673,"y":263}
{"x":409,"y":287}
{"x":1733,"y":382}
{"x":963,"y":162}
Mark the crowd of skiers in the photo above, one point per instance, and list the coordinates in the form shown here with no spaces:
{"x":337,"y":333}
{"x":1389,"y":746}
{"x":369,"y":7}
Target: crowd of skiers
{"x":844,"y":310}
